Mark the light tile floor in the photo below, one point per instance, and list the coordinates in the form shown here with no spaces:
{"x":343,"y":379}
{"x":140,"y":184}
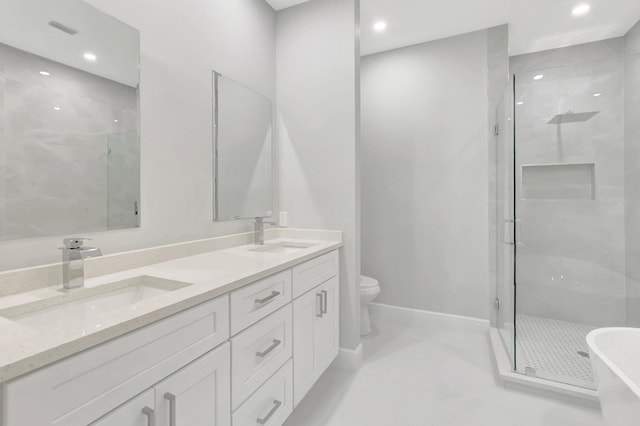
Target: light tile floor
{"x":555,"y":350}
{"x":429,"y":373}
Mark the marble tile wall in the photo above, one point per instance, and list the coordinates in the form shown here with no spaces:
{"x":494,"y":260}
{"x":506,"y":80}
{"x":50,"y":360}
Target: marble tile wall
{"x":632,"y":173}
{"x":54,"y":150}
{"x":571,"y":265}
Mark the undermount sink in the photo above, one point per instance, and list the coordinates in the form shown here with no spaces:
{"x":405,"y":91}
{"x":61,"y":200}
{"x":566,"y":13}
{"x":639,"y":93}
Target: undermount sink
{"x":283,"y":247}
{"x":83,"y":304}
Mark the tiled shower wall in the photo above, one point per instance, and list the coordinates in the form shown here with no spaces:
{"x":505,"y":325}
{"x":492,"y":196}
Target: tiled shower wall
{"x":632,"y":173}
{"x":56,"y":134}
{"x":579,"y":259}
{"x":571,"y":265}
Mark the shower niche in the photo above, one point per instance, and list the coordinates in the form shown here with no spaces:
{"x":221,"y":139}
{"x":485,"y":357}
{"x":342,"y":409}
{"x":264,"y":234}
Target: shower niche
{"x":558,"y":181}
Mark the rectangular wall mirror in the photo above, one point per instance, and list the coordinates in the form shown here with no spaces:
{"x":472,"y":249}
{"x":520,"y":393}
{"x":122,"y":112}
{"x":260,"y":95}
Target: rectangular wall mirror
{"x":243,"y":147}
{"x":69,"y":120}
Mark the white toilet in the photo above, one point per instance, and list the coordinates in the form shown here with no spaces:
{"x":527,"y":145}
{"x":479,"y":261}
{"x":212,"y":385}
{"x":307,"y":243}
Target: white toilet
{"x":369,"y":290}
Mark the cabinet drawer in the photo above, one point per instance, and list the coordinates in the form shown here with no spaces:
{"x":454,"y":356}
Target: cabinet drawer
{"x":314,"y":272}
{"x":85,"y":386}
{"x":271,"y":404}
{"x":257,"y":300}
{"x":260,"y":351}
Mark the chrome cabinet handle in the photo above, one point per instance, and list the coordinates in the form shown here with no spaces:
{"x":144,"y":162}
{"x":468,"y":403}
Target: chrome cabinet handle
{"x":274,"y":294}
{"x":151,"y":416}
{"x":324,"y":306}
{"x":319,"y":314}
{"x":267,"y":351}
{"x":265,"y":419}
{"x":172,"y":408}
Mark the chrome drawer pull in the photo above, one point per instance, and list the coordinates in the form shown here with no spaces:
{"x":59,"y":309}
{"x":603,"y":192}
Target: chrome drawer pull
{"x":274,"y":294}
{"x":172,"y":408}
{"x":319,"y":314}
{"x":265,"y":419}
{"x":267,"y":351}
{"x":151,"y":416}
{"x":324,"y":306}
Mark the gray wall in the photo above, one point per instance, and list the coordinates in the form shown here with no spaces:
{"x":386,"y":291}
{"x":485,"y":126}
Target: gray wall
{"x":425,"y":112}
{"x":181,"y":42}
{"x":632,"y":173}
{"x":572,"y":263}
{"x":317,"y":86}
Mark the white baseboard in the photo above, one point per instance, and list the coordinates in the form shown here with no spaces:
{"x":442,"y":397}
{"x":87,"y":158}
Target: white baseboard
{"x":398,"y":313}
{"x":349,"y":359}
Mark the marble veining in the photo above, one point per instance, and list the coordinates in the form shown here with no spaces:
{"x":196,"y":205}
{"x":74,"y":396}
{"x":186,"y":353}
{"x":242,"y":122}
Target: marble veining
{"x":68,"y":148}
{"x":632,"y":173}
{"x":571,"y":265}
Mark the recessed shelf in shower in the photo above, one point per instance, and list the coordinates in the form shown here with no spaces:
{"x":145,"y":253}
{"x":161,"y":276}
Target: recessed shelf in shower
{"x":562,"y":181}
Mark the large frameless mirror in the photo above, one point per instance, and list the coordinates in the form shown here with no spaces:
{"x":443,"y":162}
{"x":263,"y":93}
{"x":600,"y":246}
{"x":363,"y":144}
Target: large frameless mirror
{"x":69,"y":120}
{"x":243,"y":169}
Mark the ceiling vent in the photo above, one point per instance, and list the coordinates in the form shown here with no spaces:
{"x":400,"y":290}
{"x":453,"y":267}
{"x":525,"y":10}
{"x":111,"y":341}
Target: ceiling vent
{"x":63,"y":28}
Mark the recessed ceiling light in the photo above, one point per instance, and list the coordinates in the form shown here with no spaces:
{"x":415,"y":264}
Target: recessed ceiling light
{"x":538,"y":77}
{"x":581,"y":9}
{"x":115,"y":121}
{"x":57,"y":108}
{"x":597,"y":94}
{"x":380,"y":26}
{"x":45,"y":73}
{"x":520,"y":103}
{"x":91,"y":57}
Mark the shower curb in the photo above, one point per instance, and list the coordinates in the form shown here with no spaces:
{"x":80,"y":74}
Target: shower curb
{"x":512,"y":380}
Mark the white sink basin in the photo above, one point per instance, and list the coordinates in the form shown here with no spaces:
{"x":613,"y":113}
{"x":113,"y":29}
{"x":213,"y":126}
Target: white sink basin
{"x":81,"y":306}
{"x":283,"y":247}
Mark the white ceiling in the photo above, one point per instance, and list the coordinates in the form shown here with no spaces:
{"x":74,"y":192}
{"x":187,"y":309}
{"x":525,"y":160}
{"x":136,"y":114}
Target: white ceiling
{"x":534,"y":25}
{"x":283,"y":4}
{"x":24,"y":24}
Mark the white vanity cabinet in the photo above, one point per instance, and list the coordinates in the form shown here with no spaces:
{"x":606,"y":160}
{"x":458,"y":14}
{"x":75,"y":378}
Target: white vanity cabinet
{"x":315,"y":335}
{"x":83,"y":388}
{"x":140,"y":411}
{"x":242,"y":359}
{"x":196,"y":395}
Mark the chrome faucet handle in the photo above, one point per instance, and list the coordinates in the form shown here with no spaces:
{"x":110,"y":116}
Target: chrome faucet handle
{"x":261,"y":220}
{"x":74,"y":242}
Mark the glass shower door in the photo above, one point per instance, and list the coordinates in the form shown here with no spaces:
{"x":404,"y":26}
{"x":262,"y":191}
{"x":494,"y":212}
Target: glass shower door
{"x":505,"y":248}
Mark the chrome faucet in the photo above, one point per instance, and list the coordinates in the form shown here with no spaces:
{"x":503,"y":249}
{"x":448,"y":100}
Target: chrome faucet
{"x":258,"y":230}
{"x":73,"y":256}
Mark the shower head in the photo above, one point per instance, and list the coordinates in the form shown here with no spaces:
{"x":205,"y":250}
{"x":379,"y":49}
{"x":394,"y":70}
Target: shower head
{"x":572,"y":117}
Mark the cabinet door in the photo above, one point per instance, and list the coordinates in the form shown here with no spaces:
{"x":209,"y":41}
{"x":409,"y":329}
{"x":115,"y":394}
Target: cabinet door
{"x":140,"y":411}
{"x":198,"y":394}
{"x":305,"y":311}
{"x":326,"y":328}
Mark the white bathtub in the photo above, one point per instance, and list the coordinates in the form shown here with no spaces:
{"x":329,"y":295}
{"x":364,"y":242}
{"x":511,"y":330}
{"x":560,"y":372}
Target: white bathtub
{"x":615,"y":356}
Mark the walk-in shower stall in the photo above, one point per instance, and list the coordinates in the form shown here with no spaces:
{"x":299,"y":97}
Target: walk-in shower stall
{"x":566,"y":216}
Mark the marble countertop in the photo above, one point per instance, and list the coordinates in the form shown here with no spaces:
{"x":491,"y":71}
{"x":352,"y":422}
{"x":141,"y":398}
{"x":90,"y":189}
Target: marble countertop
{"x":209,"y":275}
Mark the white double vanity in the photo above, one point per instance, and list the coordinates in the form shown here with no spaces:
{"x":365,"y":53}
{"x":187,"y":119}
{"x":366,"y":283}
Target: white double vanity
{"x":233,"y":336}
{"x":232,"y":330}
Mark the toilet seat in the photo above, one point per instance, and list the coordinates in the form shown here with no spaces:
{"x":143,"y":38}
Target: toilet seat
{"x":368,"y":282}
